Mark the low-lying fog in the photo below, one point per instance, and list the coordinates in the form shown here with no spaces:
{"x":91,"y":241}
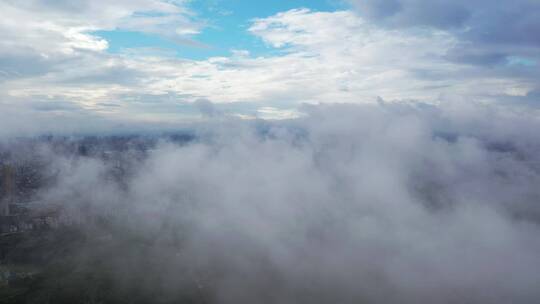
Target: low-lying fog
{"x":380,"y":203}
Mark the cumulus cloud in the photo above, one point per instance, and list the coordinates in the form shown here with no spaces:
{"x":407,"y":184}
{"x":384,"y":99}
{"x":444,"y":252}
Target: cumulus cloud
{"x":71,"y":23}
{"x":322,"y":57}
{"x":387,"y":203}
{"x":57,"y":36}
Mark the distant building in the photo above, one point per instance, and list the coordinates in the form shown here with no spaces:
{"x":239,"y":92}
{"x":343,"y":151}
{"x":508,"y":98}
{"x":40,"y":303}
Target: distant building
{"x":6,"y":191}
{"x":19,"y":214}
{"x":16,"y":216}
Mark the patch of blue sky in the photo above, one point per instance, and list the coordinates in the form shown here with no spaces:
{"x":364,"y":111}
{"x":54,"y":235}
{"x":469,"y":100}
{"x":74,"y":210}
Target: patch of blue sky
{"x":227,"y":27}
{"x":522,"y":61}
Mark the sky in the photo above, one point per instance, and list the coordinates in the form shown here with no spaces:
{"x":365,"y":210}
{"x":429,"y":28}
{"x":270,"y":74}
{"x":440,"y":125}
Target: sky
{"x":155,"y":62}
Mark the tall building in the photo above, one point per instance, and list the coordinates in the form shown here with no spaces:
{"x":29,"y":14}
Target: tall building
{"x":6,"y":192}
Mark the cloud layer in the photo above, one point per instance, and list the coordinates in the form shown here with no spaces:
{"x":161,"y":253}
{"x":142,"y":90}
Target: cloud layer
{"x":387,"y":203}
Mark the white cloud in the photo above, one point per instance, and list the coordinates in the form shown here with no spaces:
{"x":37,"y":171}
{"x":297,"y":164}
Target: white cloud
{"x":63,"y":26}
{"x":324,"y":57}
{"x":271,"y":113}
{"x":351,"y":204}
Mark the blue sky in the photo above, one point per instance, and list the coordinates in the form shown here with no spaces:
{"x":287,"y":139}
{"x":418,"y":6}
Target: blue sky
{"x":229,"y":20}
{"x":226,"y":28}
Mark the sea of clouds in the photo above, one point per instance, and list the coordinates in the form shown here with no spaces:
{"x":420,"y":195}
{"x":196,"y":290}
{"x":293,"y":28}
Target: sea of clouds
{"x":386,"y":203}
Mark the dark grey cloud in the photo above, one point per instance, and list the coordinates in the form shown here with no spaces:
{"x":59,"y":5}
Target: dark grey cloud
{"x":498,"y":24}
{"x":441,"y":14}
{"x":23,"y":63}
{"x":487,"y":21}
{"x":116,"y":75}
{"x":55,"y":105}
{"x":477,"y":57}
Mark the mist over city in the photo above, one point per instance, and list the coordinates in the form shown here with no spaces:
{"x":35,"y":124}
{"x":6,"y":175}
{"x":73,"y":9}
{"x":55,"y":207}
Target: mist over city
{"x":210,"y":151}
